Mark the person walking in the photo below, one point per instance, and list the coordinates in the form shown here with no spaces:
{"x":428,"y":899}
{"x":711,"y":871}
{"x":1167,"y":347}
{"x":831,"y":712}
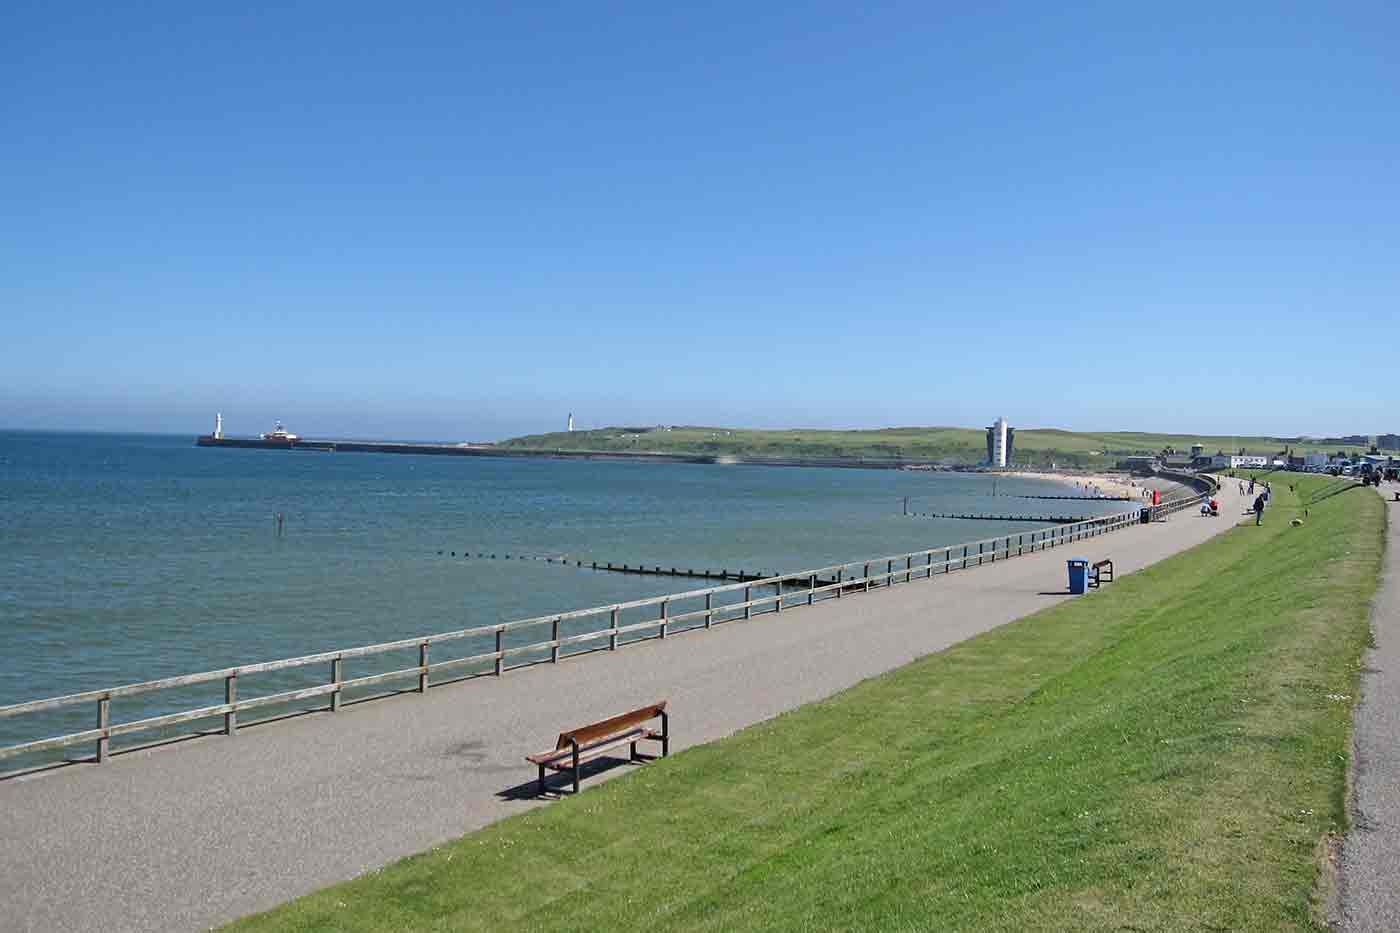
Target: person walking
{"x":1259,"y":509}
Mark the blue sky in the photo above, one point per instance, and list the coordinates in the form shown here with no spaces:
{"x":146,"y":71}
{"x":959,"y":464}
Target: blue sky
{"x":464,"y":221}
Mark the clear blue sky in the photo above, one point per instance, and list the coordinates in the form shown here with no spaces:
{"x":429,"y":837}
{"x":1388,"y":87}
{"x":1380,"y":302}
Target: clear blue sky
{"x":465,"y":220}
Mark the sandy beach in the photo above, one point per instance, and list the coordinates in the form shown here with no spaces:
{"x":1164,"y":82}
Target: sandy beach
{"x":1106,"y":485}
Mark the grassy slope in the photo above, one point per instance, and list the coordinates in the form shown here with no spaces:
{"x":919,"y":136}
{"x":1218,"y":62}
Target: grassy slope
{"x":1165,"y":754}
{"x":964,"y":445}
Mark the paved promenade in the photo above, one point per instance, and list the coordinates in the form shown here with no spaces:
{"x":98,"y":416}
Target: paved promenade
{"x":1370,"y":863}
{"x":201,"y":832}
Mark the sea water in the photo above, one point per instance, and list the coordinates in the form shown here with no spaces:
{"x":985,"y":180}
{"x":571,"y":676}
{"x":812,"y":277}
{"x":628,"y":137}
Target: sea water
{"x":133,"y":557}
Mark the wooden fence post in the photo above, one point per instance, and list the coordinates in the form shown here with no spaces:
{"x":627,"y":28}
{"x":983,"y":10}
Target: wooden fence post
{"x":664,"y":605}
{"x":867,"y":578}
{"x":423,"y":668}
{"x":612,"y":639}
{"x":335,"y":679}
{"x":748,"y":597}
{"x":709,"y":609}
{"x":554,"y":637}
{"x":840,"y":581}
{"x":500,"y":651}
{"x":231,"y":697}
{"x":104,"y":721}
{"x":812,"y":590}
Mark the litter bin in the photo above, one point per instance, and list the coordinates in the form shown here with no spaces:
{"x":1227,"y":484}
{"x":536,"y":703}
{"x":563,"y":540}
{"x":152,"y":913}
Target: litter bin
{"x":1146,"y":516}
{"x":1078,"y":575}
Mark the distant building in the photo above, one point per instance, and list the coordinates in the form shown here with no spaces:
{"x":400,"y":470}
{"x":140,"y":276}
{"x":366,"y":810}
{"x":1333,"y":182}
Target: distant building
{"x":1388,"y":441}
{"x":1140,"y":464}
{"x":1001,"y":439}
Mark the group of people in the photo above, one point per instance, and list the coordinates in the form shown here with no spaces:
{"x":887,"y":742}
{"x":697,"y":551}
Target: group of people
{"x":1261,"y":501}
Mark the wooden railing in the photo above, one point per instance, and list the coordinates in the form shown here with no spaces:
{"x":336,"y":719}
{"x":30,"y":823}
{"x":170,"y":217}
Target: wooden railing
{"x":703,"y":609}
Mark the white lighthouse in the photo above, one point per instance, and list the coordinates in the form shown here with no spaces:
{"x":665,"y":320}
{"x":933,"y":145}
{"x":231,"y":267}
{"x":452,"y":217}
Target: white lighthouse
{"x":218,"y":425}
{"x":571,"y":422}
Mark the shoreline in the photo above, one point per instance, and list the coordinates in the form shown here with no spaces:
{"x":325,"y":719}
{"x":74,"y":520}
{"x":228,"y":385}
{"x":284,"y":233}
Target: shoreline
{"x":1092,"y":484}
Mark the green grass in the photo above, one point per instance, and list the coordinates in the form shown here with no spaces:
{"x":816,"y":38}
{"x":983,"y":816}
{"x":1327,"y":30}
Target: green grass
{"x":1169,"y":753}
{"x":1037,"y":447}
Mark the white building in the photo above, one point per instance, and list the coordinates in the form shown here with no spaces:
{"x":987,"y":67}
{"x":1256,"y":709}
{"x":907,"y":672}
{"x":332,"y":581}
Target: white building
{"x":1001,"y":439}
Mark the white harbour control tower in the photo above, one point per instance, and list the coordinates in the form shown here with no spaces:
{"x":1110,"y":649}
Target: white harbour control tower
{"x":1001,"y":438}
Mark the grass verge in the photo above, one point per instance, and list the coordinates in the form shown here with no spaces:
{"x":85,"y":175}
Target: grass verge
{"x":1169,"y":753}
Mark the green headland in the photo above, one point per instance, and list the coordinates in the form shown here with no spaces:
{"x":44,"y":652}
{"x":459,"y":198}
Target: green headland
{"x":1034,"y":447}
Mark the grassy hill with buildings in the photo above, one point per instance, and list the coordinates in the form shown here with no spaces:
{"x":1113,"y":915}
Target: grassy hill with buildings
{"x":1036,"y":447}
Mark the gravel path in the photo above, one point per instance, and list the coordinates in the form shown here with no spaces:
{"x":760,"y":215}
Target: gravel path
{"x":201,"y":832}
{"x":1370,"y":862}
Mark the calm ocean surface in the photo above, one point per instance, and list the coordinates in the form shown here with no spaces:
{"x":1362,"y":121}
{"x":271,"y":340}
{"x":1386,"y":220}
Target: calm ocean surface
{"x":133,"y":557}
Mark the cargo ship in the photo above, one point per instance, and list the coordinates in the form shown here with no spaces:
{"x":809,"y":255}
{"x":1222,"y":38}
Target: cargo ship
{"x":279,"y":434}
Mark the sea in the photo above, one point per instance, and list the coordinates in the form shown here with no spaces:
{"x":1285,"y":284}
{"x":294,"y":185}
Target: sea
{"x":130,"y":557}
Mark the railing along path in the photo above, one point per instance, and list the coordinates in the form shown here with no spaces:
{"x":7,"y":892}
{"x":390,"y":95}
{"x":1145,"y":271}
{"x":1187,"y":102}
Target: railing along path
{"x":911,"y":566}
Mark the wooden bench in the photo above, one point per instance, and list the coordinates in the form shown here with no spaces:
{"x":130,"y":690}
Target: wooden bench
{"x":579,"y":745}
{"x":1097,"y":571}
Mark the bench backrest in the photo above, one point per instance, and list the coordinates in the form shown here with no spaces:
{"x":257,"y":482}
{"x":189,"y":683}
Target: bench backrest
{"x":585,"y":734}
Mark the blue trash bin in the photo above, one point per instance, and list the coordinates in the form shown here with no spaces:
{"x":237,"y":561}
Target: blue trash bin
{"x":1078,"y":575}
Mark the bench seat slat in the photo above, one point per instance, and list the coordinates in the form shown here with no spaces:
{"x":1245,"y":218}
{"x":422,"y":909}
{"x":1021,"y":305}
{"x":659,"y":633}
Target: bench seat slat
{"x":563,"y":757}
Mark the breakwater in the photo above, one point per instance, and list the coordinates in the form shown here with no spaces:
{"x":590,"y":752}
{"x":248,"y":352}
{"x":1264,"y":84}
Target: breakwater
{"x":1043,"y":519}
{"x":737,"y":576}
{"x":438,"y":450}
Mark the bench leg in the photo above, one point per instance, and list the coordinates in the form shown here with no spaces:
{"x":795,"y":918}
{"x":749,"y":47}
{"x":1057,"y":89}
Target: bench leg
{"x":540,"y":791}
{"x":633,"y":755}
{"x":665,"y":735}
{"x":576,"y":769}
